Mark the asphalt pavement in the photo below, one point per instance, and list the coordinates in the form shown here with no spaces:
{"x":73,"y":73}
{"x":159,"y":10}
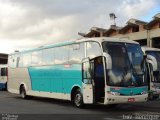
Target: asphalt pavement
{"x":12,"y":107}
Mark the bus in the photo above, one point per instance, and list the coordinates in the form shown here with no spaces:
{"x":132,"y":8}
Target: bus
{"x":69,"y":71}
{"x":153,"y":60}
{"x":3,"y":77}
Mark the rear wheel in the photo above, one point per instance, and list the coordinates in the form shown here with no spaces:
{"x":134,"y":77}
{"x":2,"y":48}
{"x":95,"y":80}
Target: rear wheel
{"x":78,"y":99}
{"x":23,"y":92}
{"x":150,"y":96}
{"x":6,"y":86}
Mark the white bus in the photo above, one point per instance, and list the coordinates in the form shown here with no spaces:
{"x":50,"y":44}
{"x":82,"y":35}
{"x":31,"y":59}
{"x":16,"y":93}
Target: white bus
{"x":3,"y":77}
{"x":153,"y":60}
{"x":85,"y":71}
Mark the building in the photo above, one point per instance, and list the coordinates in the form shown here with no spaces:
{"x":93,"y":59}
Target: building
{"x":94,"y":32}
{"x":147,"y":34}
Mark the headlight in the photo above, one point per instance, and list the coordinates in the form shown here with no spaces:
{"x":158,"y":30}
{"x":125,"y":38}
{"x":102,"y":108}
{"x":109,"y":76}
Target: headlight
{"x":114,"y":93}
{"x":156,"y":87}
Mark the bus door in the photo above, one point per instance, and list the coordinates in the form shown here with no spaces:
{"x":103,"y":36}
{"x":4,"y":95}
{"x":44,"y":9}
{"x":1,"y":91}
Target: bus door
{"x":87,"y":85}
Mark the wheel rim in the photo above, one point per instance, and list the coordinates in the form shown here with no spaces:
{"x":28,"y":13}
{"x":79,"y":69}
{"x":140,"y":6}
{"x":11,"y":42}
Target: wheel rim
{"x":78,"y":99}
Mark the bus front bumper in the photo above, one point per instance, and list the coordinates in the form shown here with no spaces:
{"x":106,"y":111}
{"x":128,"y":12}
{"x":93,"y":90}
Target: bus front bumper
{"x":156,"y":92}
{"x":114,"y":99}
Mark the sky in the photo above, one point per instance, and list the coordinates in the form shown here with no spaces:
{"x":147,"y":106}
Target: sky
{"x":26,"y":24}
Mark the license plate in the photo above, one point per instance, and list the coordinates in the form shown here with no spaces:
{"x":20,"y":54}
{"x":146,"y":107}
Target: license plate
{"x":131,"y":99}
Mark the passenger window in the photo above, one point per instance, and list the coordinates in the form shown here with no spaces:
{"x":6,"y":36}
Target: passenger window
{"x":61,"y":55}
{"x":26,"y":59}
{"x":76,"y":53}
{"x":37,"y":58}
{"x":93,"y":49}
{"x":20,"y":61}
{"x":48,"y":56}
{"x":64,"y":54}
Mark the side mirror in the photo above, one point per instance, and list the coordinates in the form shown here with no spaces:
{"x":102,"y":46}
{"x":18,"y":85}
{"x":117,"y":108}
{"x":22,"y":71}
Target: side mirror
{"x":108,"y":60}
{"x":152,"y":60}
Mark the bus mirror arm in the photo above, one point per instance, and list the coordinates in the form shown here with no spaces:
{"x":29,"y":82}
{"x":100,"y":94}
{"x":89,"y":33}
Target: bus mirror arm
{"x":108,"y":61}
{"x":144,"y":56}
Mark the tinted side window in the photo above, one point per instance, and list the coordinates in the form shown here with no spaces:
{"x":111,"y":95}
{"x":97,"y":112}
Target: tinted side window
{"x":20,"y":61}
{"x":26,"y":59}
{"x":48,"y":56}
{"x":61,"y":55}
{"x":93,"y":49}
{"x":76,"y":53}
{"x":36,"y":58}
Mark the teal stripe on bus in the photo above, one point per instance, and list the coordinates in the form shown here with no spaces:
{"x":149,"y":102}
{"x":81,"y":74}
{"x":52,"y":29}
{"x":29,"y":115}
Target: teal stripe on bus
{"x":56,"y":78}
{"x":129,"y":91}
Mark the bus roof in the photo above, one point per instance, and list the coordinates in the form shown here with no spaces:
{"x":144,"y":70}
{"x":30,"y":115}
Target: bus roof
{"x":99,"y":39}
{"x":109,"y":39}
{"x":144,"y":49}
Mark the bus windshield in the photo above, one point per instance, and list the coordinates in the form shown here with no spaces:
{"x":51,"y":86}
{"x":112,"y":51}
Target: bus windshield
{"x":136,"y":57}
{"x":126,"y":64}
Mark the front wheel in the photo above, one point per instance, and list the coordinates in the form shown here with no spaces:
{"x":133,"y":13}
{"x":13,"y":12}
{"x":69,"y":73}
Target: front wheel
{"x":78,"y":99}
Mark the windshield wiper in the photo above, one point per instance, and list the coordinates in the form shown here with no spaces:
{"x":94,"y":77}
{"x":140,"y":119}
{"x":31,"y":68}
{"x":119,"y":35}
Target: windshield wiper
{"x":126,"y":79}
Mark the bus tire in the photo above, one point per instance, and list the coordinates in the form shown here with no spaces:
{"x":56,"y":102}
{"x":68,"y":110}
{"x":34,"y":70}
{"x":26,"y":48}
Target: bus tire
{"x":78,"y":99}
{"x":112,"y":105}
{"x":150,"y":96}
{"x":5,"y":87}
{"x":23,"y":92}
